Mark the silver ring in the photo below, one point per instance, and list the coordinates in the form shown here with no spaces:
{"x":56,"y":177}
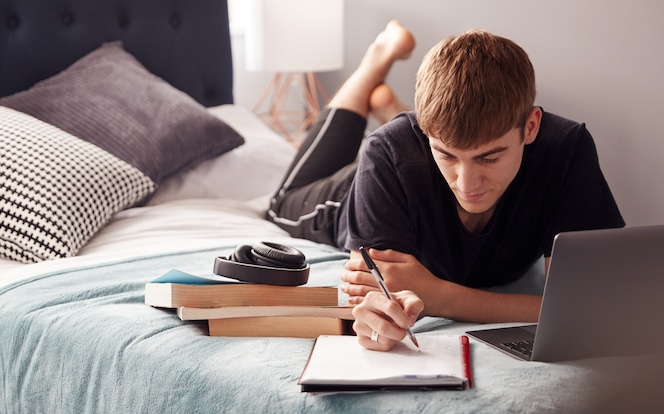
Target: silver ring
{"x":374,"y":336}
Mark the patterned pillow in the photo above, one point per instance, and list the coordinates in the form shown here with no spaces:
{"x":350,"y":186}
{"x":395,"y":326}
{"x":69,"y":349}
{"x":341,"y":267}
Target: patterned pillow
{"x":91,"y":141}
{"x":57,"y":190}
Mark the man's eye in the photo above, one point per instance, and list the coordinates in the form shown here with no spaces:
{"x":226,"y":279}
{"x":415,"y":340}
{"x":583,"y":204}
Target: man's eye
{"x":489,"y":160}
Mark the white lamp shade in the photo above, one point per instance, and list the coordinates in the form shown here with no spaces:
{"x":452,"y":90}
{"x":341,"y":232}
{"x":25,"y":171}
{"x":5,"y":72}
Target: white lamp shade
{"x":294,"y":35}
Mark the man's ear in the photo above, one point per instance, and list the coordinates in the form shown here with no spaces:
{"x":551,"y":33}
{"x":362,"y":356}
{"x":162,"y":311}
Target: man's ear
{"x":531,"y":128}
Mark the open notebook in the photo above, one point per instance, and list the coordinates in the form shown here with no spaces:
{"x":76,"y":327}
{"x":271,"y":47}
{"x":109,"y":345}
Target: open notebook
{"x":603,"y":297}
{"x":341,"y":364}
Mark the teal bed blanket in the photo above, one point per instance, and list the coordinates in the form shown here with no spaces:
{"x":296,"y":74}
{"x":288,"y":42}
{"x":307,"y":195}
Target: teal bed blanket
{"x":83,"y":341}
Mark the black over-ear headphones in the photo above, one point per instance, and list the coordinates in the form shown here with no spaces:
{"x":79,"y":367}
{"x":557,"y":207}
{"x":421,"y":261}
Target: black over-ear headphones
{"x":265,"y":262}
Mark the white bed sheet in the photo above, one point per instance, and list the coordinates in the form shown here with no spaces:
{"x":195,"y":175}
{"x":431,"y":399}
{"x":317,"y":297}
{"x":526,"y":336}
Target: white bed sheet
{"x":168,"y":227}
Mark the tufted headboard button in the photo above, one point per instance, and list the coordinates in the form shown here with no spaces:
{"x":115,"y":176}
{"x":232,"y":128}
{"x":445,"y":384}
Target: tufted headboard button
{"x":123,"y":21}
{"x":176,"y":20}
{"x":13,"y":22}
{"x":67,"y":19}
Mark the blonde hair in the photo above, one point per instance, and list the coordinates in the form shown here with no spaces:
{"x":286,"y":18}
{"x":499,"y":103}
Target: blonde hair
{"x":474,"y":88}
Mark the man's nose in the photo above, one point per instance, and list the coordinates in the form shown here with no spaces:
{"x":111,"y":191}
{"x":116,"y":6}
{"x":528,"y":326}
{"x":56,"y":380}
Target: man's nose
{"x":468,"y":179}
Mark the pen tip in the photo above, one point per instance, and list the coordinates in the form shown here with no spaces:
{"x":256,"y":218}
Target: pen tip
{"x":412,"y":338}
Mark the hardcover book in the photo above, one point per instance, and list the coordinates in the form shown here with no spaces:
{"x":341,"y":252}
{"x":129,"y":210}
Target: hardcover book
{"x":179,"y":289}
{"x":282,"y":321}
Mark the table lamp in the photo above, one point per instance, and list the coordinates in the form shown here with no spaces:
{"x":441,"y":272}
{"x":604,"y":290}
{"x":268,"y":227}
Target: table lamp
{"x":294,"y":39}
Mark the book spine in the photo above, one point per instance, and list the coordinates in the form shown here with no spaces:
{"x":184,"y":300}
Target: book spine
{"x":173,"y":295}
{"x":279,"y":326}
{"x":191,"y":314}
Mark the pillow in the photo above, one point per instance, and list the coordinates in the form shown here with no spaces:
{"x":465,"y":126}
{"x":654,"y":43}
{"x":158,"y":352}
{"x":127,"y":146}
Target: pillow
{"x":57,"y":190}
{"x":109,"y":99}
{"x":95,"y":139}
{"x":227,"y":175}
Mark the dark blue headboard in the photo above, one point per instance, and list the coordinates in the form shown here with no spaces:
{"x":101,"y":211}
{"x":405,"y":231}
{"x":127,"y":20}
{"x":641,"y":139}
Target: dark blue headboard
{"x":185,"y":42}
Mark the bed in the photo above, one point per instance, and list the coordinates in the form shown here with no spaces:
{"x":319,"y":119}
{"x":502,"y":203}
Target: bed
{"x":138,"y":162}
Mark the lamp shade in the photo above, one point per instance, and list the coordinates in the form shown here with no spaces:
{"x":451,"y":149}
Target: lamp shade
{"x":294,"y":35}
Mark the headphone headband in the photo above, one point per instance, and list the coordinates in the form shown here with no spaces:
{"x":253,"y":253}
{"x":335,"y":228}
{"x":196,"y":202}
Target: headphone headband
{"x":267,"y":263}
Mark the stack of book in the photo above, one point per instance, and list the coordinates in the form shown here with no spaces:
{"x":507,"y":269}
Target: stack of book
{"x":234,"y":308}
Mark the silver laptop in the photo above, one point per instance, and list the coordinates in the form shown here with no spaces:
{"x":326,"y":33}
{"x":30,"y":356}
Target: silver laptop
{"x":604,"y":296}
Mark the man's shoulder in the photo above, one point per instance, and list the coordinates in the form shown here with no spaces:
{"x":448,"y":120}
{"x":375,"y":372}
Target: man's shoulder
{"x":404,"y":122}
{"x":402,"y":137}
{"x":557,"y":127}
{"x":560,"y":137}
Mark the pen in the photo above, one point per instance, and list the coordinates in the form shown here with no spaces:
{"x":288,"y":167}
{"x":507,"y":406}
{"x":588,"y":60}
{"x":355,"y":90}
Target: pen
{"x":379,"y":279}
{"x":465,"y":351}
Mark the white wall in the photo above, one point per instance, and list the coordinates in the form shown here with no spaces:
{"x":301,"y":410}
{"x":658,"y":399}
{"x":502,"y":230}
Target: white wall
{"x":597,"y":62}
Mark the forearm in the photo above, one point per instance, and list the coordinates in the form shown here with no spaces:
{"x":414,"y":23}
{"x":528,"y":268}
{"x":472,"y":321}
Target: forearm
{"x":461,"y":303}
{"x":441,"y":298}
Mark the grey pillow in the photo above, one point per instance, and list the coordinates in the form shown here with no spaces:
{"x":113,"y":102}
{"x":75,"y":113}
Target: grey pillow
{"x":109,"y":99}
{"x":89,"y":142}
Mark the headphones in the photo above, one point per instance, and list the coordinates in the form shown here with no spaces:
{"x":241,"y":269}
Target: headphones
{"x":265,"y":262}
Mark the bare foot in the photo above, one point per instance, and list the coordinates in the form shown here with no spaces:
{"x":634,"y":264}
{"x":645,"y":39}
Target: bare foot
{"x":384,"y":104}
{"x":397,"y":40}
{"x":394,"y":43}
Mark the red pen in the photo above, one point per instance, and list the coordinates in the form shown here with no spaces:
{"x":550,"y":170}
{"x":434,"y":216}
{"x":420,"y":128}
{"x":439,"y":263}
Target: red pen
{"x":465,"y":351}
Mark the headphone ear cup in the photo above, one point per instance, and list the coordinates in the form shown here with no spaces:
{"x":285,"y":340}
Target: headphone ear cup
{"x":242,"y":254}
{"x":267,"y":263}
{"x":277,"y":255}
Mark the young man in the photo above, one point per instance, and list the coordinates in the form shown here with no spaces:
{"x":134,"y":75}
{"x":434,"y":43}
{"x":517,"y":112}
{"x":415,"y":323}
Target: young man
{"x":465,"y":193}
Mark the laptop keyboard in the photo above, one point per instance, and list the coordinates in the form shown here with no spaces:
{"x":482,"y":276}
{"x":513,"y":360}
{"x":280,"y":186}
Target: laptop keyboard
{"x":524,"y":348}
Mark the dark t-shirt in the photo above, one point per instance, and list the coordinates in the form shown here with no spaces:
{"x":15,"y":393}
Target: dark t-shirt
{"x":399,"y":200}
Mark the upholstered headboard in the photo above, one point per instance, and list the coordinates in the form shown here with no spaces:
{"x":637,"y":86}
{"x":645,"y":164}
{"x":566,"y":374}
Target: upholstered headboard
{"x":185,"y":42}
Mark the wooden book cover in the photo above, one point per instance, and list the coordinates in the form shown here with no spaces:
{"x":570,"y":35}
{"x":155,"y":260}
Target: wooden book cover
{"x":280,"y":326}
{"x":178,"y":289}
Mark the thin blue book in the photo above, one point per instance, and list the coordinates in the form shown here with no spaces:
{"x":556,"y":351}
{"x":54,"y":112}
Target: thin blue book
{"x":178,"y":276}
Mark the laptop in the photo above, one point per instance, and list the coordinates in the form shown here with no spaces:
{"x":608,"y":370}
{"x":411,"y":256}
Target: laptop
{"x":604,"y":296}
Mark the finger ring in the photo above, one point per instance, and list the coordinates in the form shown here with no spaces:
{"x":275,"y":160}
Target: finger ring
{"x":374,"y":336}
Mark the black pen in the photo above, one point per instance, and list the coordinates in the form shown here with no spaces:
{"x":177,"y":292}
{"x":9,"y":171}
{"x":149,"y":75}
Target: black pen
{"x":381,"y":282}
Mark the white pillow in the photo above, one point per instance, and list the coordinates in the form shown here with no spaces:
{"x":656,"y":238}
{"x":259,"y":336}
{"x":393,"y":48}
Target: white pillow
{"x":251,"y":170}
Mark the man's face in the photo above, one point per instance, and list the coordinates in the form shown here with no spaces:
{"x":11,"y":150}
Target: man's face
{"x":479,"y":177}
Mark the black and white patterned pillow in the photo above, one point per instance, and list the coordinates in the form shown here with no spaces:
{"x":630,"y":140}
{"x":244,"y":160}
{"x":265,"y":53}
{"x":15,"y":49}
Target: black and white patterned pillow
{"x":57,"y":190}
{"x":110,"y":133}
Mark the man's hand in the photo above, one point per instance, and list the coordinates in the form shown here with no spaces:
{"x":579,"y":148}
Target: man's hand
{"x":401,"y":272}
{"x":380,"y":322}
